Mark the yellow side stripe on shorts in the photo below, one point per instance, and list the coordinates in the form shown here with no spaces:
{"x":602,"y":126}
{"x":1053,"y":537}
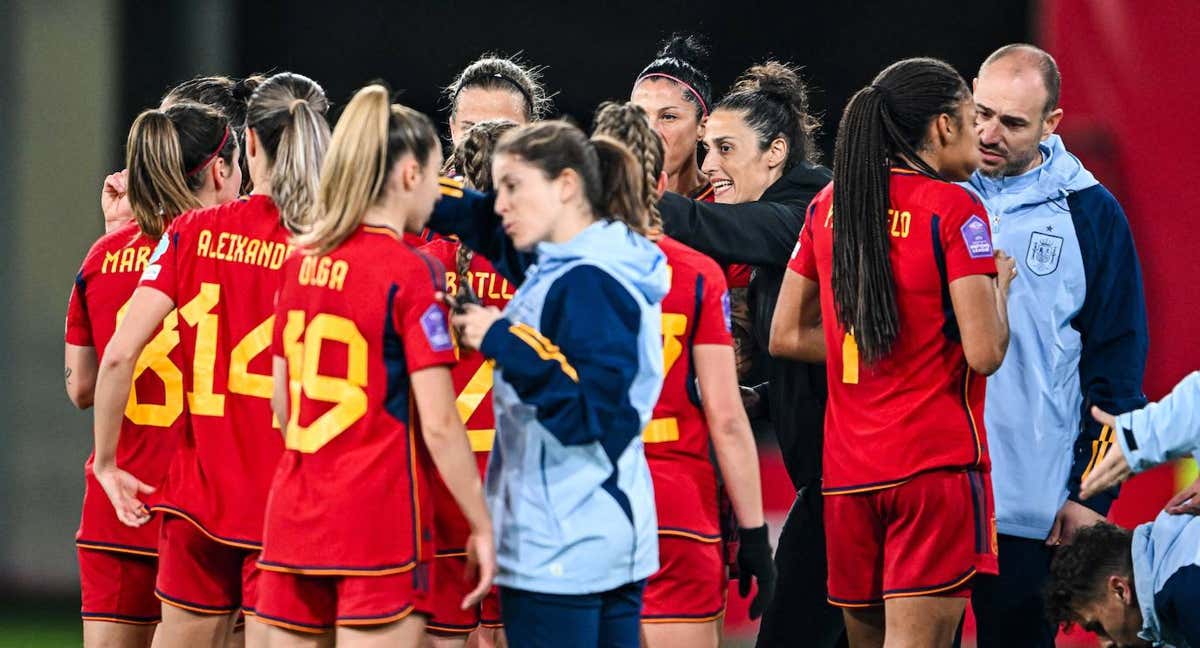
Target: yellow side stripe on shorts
{"x":545,"y":349}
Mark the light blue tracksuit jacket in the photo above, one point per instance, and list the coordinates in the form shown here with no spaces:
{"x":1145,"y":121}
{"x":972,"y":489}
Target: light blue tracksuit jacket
{"x":1162,"y":431}
{"x":1166,"y":579}
{"x":579,"y":367}
{"x":1077,"y":317}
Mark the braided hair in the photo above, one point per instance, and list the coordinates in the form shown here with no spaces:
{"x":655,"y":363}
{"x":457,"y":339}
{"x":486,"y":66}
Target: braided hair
{"x":884,"y":124}
{"x":473,"y":157}
{"x":627,"y":123}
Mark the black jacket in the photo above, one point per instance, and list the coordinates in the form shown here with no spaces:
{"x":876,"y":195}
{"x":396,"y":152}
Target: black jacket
{"x":763,"y":234}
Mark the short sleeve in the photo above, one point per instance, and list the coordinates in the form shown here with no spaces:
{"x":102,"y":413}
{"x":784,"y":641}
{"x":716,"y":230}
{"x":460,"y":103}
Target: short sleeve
{"x":803,"y":259}
{"x":422,"y":321}
{"x":161,"y":270}
{"x":79,"y":325}
{"x":713,"y":324}
{"x":966,"y":237}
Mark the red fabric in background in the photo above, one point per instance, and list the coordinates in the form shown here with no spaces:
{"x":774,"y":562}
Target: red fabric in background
{"x":1129,"y":93}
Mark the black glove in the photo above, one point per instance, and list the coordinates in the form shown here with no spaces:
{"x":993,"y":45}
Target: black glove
{"x":754,"y":560}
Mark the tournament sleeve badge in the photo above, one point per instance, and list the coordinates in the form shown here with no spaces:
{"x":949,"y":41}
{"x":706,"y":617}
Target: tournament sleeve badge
{"x":977,"y":238}
{"x":433,"y":324}
{"x":1043,"y":253}
{"x":153,"y":268}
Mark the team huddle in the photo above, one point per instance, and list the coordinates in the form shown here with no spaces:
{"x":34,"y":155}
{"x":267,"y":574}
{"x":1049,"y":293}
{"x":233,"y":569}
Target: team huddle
{"x":350,"y":391}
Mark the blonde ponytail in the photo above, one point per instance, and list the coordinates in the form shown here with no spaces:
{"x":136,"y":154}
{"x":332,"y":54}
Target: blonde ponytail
{"x":353,"y":173}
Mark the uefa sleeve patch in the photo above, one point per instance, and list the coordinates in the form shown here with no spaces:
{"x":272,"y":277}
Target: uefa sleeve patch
{"x":433,"y":324}
{"x":977,"y":238}
{"x":153,"y":268}
{"x":727,"y":312}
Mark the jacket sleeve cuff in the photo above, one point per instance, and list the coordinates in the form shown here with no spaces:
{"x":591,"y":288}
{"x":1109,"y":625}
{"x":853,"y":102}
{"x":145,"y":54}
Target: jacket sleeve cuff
{"x":494,"y":340}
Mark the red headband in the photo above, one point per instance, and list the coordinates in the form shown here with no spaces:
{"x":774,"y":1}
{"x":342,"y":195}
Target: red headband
{"x":200,"y":167}
{"x":703,"y":107}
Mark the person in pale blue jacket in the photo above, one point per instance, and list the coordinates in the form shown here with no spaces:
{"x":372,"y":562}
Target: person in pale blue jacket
{"x":1131,"y":589}
{"x":1151,"y":436}
{"x":578,"y":368}
{"x":1078,"y":336}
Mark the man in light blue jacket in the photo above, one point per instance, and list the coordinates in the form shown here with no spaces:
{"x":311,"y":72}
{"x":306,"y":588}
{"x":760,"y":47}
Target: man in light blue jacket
{"x":1131,"y":589}
{"x":1078,"y":335}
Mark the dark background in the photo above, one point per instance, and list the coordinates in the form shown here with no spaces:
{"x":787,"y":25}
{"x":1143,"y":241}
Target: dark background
{"x":592,"y":51}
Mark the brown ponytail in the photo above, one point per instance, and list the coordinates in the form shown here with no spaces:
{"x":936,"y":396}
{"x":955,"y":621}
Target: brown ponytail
{"x":166,"y":153}
{"x":611,"y":176}
{"x":287,"y":113}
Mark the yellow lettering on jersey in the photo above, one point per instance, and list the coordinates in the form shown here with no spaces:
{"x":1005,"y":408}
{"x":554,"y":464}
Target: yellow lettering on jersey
{"x":241,"y":379}
{"x":252,"y":250}
{"x":451,"y":282}
{"x":143,"y":257}
{"x":337,"y":275}
{"x":829,"y":217}
{"x":674,"y":326}
{"x":472,"y":394}
{"x":156,"y":358}
{"x":264,"y":254}
{"x":323,"y":272}
{"x":348,"y":396}
{"x":280,"y":253}
{"x":239,"y":249}
{"x":901,"y":223}
{"x":199,"y":313}
{"x":128,"y":256}
{"x":222,"y":241}
{"x":111,"y":260}
{"x":203,"y":243}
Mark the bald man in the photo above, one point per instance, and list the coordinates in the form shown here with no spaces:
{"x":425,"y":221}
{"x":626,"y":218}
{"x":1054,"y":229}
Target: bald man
{"x":1078,"y":336}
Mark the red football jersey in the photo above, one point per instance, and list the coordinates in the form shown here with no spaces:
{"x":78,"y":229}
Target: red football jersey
{"x":350,"y":495}
{"x":920,"y":408}
{"x":221,"y":268}
{"x":154,"y":418}
{"x":737,"y":275}
{"x":472,"y":383}
{"x":695,"y":311}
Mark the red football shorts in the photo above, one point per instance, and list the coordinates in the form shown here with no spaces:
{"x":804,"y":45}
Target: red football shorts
{"x":690,"y":584}
{"x":928,"y":536}
{"x":446,"y":595}
{"x":202,"y":575}
{"x":318,"y":603}
{"x":118,"y":587}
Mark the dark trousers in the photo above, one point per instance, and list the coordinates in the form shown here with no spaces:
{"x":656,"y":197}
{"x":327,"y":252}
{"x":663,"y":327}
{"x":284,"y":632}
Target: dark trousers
{"x":606,"y":620}
{"x":800,"y":615}
{"x":1009,"y":610}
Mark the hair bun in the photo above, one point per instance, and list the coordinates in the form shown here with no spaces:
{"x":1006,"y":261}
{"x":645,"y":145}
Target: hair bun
{"x":689,"y":48}
{"x":776,"y":80}
{"x":243,"y":88}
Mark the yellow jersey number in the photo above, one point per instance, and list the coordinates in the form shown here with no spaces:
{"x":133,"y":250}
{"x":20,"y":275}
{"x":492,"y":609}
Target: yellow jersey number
{"x":674,"y":326}
{"x":202,"y":400}
{"x":154,"y":357}
{"x":303,"y":343}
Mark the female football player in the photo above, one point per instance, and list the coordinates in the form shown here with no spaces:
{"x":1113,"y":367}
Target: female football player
{"x":495,"y":87}
{"x":363,"y":349}
{"x":220,"y":268}
{"x":887,"y":247}
{"x":467,"y":272}
{"x":179,"y":158}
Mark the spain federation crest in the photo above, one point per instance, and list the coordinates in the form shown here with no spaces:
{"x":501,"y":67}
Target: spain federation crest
{"x":1044,"y":251}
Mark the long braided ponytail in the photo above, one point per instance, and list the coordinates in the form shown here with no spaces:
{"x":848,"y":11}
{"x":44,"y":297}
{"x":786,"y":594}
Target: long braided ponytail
{"x":884,"y":125}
